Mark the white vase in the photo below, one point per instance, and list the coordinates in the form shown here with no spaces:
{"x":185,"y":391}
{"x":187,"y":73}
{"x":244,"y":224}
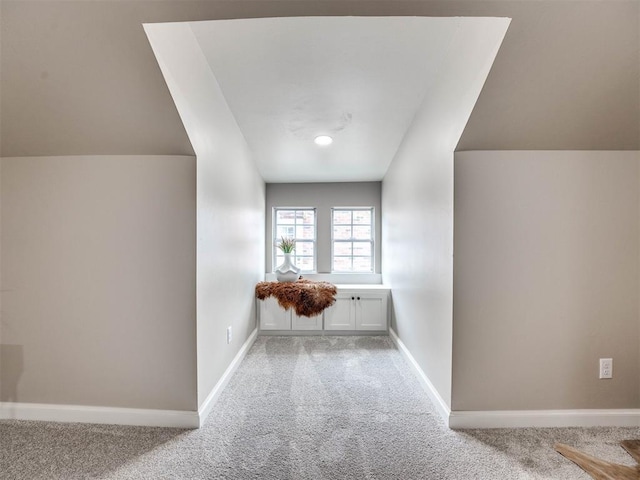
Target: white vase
{"x":287,"y":272}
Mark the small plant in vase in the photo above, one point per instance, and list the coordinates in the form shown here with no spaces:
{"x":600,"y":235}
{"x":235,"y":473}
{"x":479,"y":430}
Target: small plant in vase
{"x":287,"y":272}
{"x":287,"y":245}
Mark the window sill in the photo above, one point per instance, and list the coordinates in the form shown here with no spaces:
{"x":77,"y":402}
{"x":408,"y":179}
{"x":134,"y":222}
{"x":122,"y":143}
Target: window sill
{"x":338,"y":278}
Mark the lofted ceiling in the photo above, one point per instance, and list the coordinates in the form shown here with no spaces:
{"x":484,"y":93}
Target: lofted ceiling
{"x":360,"y":80}
{"x":79,"y":77}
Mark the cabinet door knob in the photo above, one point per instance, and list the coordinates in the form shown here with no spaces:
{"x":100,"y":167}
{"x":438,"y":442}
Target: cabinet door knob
{"x":358,"y":298}
{"x":353,"y":298}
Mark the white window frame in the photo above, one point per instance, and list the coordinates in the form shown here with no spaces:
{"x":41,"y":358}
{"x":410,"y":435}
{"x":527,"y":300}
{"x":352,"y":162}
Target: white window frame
{"x":352,"y":240}
{"x":276,"y":239}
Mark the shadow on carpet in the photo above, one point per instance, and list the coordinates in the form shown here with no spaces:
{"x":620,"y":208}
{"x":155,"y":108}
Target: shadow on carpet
{"x":43,"y":450}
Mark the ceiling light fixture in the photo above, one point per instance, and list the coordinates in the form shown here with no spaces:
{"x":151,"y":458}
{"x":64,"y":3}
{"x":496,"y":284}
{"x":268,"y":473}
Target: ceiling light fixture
{"x":323,"y":140}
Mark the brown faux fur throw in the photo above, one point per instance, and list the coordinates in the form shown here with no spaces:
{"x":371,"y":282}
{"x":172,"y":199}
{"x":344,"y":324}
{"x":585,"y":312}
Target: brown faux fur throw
{"x":306,"y":297}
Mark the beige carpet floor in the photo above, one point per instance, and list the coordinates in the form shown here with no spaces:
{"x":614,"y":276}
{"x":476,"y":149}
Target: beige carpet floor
{"x":306,"y":408}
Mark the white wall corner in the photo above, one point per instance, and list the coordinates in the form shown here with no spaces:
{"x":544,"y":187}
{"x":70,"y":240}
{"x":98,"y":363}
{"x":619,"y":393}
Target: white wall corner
{"x":212,"y":398}
{"x":441,"y":406}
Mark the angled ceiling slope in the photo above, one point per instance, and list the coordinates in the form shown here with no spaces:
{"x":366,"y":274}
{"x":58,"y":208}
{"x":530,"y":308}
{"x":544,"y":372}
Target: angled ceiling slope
{"x":360,"y":80}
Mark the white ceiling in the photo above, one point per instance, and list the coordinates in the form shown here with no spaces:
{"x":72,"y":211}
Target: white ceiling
{"x":360,"y":80}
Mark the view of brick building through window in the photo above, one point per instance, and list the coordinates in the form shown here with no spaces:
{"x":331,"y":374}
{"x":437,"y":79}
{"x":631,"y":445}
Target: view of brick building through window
{"x":352,"y":240}
{"x":299,"y":224}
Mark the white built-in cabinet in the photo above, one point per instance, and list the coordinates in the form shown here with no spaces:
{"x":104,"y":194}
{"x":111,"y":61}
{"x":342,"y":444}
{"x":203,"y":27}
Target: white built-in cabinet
{"x":274,"y":317}
{"x":357,"y":309}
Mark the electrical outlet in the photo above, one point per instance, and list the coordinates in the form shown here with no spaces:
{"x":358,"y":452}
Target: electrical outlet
{"x":228,"y":334}
{"x":606,"y":368}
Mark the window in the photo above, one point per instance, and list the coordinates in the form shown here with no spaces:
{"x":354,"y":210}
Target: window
{"x":299,"y":224}
{"x":352,"y":240}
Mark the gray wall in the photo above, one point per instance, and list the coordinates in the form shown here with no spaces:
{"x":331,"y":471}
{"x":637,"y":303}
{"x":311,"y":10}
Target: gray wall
{"x":98,"y":281}
{"x":230,"y":257}
{"x":323,"y":196}
{"x":566,"y":78}
{"x":117,"y":282}
{"x":546,"y":272}
{"x":230,"y":205}
{"x":417,"y":201}
{"x":80,"y":78}
{"x":418,"y":246}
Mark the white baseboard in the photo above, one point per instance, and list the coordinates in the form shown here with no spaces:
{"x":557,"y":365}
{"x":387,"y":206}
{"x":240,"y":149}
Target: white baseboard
{"x":545,"y":418}
{"x":519,"y":418}
{"x":209,"y":402}
{"x":124,"y":416}
{"x":438,"y":402}
{"x":88,"y":414}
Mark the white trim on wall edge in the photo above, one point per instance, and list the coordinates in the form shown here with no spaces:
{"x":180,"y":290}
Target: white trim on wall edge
{"x":457,"y":419}
{"x":440,"y":404}
{"x":89,"y":414}
{"x":545,"y":418}
{"x":124,"y":416}
{"x":209,"y":402}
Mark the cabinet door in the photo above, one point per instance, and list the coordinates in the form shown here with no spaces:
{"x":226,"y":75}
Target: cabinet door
{"x":341,"y":315}
{"x":273,"y":316}
{"x":371,"y":311}
{"x":306,"y":323}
